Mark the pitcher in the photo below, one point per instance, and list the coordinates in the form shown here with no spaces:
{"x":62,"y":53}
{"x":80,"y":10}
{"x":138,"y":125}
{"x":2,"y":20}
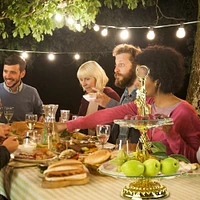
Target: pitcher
{"x":50,"y":134}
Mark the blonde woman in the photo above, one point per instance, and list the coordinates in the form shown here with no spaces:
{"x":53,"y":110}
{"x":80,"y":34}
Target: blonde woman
{"x":92,"y":78}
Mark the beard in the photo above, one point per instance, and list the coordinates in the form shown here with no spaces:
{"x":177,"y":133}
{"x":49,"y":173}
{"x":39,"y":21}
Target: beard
{"x":14,"y":83}
{"x":123,"y":81}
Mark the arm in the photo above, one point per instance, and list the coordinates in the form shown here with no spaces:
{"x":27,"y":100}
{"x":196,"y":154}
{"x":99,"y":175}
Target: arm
{"x":104,"y":116}
{"x":108,"y":98}
{"x":5,"y":156}
{"x":184,"y":136}
{"x":8,"y":146}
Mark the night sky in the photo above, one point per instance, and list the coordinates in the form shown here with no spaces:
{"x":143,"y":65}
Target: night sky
{"x":56,"y":81}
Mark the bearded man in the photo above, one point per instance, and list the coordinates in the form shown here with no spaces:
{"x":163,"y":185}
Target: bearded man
{"x":125,"y":77}
{"x":14,"y":93}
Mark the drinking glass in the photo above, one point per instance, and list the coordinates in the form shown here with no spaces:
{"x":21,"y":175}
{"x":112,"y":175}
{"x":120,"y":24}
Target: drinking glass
{"x":125,"y":144}
{"x":64,"y":115}
{"x":31,"y":120}
{"x":8,"y":113}
{"x":74,"y":117}
{"x":103,"y":134}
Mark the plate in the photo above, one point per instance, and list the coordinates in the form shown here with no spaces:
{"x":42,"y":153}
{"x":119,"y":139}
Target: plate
{"x":34,"y":161}
{"x":90,"y":96}
{"x":141,"y":124}
{"x":108,"y":146}
{"x":110,"y":169}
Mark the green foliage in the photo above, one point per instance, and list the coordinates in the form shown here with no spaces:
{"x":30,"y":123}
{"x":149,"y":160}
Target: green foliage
{"x":159,"y":151}
{"x":36,"y":17}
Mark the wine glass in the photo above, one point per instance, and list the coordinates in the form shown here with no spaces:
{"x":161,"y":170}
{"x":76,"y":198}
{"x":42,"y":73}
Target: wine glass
{"x":103,"y":134}
{"x":8,"y":113}
{"x":31,"y":120}
{"x":74,"y":117}
{"x":64,"y":115}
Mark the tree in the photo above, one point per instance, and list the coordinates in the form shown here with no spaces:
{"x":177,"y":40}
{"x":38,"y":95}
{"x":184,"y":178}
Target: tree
{"x":36,"y":16}
{"x":193,"y":92}
{"x":31,"y":24}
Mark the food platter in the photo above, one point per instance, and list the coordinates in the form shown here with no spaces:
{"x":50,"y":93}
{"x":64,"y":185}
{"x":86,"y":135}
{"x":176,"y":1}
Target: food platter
{"x":144,"y":124}
{"x":142,"y":187}
{"x":110,"y":169}
{"x":35,"y":161}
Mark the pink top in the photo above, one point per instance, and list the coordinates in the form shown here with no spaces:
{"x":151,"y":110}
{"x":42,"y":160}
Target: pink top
{"x":183,"y":138}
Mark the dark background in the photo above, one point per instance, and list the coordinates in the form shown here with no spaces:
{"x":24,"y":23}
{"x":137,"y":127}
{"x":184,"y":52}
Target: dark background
{"x":56,"y":80}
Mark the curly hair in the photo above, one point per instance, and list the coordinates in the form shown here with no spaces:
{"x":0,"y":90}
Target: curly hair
{"x":93,"y":69}
{"x":14,"y":60}
{"x":127,"y":48}
{"x":166,"y":67}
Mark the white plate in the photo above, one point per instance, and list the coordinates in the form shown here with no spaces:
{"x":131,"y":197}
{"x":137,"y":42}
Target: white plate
{"x":106,"y":146}
{"x":110,"y":169}
{"x":34,"y":161}
{"x":90,"y":96}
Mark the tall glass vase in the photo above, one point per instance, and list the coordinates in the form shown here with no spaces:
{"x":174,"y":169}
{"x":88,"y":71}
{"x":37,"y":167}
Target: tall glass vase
{"x":50,"y":133}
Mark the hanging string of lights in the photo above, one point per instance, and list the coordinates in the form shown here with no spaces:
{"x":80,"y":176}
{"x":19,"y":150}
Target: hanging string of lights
{"x":180,"y":33}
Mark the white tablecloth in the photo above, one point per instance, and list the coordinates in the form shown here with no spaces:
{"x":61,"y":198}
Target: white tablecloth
{"x":26,"y":185}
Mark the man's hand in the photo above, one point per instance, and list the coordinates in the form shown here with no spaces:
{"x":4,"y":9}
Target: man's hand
{"x":5,"y":130}
{"x":11,"y":144}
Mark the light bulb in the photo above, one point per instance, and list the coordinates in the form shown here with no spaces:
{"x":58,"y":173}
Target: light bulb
{"x":104,"y":32}
{"x":124,"y":34}
{"x":51,"y":56}
{"x":180,"y":33}
{"x":96,"y":27}
{"x":24,"y":55}
{"x":77,"y":56}
{"x":151,"y":34}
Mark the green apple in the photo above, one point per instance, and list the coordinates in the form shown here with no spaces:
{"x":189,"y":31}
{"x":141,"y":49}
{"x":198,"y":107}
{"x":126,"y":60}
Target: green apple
{"x":132,"y":168}
{"x":152,"y":167}
{"x":169,"y":166}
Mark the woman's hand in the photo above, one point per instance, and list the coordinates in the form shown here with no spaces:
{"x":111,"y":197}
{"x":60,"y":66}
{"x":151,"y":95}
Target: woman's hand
{"x":101,"y":98}
{"x":61,"y":126}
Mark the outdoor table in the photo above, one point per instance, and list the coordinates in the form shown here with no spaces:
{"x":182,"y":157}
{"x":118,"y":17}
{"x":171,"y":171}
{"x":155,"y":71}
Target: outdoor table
{"x":25,"y":184}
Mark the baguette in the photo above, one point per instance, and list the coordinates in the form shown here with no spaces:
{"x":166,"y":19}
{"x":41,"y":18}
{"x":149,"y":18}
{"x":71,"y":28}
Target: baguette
{"x":97,"y":157}
{"x":67,"y":178}
{"x":69,"y":162}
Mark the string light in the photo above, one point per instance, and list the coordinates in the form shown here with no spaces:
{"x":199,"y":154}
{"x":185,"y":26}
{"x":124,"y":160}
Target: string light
{"x":104,"y":32}
{"x":77,"y":56}
{"x":96,"y":27}
{"x":151,"y":34}
{"x":24,"y":55}
{"x":124,"y":34}
{"x":51,"y":56}
{"x":180,"y":33}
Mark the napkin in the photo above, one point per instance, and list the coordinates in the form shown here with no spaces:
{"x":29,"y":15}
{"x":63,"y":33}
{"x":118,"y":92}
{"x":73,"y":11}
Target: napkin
{"x":90,"y":96}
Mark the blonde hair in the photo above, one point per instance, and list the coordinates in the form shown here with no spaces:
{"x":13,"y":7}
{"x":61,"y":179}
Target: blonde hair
{"x":93,"y":69}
